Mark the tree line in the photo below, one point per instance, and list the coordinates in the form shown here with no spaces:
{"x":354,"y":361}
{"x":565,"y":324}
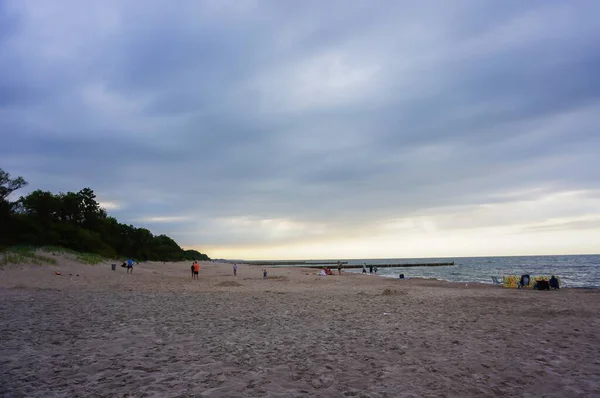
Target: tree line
{"x":75,"y":220}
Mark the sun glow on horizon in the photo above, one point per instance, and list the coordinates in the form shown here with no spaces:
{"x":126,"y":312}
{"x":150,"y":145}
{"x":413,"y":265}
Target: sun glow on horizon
{"x":562,"y":223}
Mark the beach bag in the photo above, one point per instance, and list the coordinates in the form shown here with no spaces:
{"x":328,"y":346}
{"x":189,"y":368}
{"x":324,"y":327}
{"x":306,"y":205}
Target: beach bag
{"x":542,"y":285}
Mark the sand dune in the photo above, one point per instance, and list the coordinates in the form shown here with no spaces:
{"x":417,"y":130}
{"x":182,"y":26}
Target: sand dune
{"x":92,"y":332}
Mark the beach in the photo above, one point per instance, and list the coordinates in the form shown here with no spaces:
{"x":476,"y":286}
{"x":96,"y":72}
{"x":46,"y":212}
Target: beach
{"x":93,"y":332}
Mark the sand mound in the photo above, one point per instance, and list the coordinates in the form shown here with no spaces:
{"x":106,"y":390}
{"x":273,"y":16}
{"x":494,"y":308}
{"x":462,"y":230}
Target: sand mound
{"x":229,"y":283}
{"x":393,"y":292}
{"x":279,"y":278}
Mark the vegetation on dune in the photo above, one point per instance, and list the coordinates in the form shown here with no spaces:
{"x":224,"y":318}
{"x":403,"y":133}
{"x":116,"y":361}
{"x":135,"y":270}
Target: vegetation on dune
{"x":24,"y":254}
{"x":19,"y":254}
{"x":75,"y":221}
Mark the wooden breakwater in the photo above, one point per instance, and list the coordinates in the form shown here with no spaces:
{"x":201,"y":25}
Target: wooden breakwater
{"x":307,"y":264}
{"x":302,"y":263}
{"x":387,"y":265}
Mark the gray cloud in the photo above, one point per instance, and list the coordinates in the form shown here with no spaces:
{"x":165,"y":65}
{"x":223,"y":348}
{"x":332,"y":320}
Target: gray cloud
{"x":333,"y":115}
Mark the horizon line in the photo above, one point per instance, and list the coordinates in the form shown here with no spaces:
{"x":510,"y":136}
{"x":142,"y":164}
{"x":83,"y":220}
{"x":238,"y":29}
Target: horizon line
{"x":410,"y":258}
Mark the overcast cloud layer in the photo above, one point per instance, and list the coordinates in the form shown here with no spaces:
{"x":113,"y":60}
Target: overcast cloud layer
{"x":314,"y":129}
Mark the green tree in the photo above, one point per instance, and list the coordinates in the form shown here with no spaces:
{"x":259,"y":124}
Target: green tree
{"x":75,"y":220}
{"x":43,"y":206}
{"x":8,"y":185}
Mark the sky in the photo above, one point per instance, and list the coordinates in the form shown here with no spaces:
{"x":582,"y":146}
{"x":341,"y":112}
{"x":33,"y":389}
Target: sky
{"x":314,"y":129}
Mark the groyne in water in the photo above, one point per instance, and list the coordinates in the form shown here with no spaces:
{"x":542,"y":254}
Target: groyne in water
{"x":303,"y":263}
{"x":387,"y":265}
{"x":306,"y":264}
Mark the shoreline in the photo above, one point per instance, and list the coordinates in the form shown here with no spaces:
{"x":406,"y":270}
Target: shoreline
{"x":573,"y":270}
{"x":312,"y":271}
{"x":411,"y":280}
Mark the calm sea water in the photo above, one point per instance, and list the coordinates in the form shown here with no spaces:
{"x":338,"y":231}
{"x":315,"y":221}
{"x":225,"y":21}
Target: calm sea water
{"x":574,"y":271}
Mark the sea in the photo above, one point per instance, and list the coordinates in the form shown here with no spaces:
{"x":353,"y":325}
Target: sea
{"x":582,"y":271}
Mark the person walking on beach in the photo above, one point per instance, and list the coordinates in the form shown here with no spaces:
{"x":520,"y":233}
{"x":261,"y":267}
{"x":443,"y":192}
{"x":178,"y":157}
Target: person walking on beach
{"x":371,"y":269}
{"x":339,"y":267}
{"x":264,"y":274}
{"x":364,"y":268}
{"x":130,"y":266}
{"x":235,"y":267}
{"x":196,"y":269}
{"x":375,"y":269}
{"x":192,"y":268}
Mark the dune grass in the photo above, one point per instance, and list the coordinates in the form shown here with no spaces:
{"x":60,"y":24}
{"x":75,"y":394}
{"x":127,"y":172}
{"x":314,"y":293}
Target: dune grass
{"x":24,"y":254}
{"x":28,"y":254}
{"x":89,"y":258}
{"x":57,"y":250}
{"x":85,"y":258}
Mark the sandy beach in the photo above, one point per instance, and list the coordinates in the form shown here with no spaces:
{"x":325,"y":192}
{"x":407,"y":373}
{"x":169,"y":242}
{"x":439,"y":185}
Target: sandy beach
{"x":92,"y":332}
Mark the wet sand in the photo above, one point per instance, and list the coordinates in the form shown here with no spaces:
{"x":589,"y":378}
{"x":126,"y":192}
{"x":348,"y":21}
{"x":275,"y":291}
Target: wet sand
{"x":158,"y":333}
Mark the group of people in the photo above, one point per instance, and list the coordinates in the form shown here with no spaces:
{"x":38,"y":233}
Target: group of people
{"x":195,"y":268}
{"x":340,"y":267}
{"x":542,"y":284}
{"x":327,"y":271}
{"x":372,"y":268}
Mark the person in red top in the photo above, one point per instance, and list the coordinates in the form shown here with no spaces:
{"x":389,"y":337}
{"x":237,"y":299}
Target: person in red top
{"x":196,"y":269}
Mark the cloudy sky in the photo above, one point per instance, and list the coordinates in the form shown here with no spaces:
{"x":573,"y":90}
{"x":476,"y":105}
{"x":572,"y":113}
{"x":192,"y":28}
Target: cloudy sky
{"x":314,"y":129}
